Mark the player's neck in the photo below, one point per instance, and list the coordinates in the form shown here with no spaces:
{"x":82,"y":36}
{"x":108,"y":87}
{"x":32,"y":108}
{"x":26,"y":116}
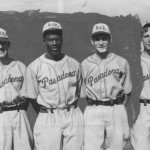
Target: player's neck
{"x":5,"y":60}
{"x":54,"y":57}
{"x":103,"y":55}
{"x":147,"y":51}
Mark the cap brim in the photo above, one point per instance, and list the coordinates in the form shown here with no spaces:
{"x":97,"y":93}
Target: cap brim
{"x":53,"y":31}
{"x":146,"y":25}
{"x":4,"y":39}
{"x":100,"y":32}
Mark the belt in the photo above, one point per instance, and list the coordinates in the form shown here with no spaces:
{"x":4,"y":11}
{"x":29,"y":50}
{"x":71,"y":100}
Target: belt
{"x":44,"y":109}
{"x":110,"y":102}
{"x":145,"y":101}
{"x":20,"y":106}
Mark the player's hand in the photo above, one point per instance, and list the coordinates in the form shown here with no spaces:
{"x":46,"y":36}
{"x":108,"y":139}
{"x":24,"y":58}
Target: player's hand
{"x":19,"y":100}
{"x":89,"y":94}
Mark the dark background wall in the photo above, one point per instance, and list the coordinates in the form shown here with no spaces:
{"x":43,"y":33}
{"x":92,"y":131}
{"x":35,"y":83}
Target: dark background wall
{"x":25,"y":33}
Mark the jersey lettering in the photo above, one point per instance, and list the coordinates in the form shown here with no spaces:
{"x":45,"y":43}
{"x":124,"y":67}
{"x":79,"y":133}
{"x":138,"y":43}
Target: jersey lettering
{"x":146,"y":77}
{"x":101,"y":27}
{"x":12,"y":79}
{"x":54,"y":24}
{"x":59,"y":78}
{"x":91,"y":79}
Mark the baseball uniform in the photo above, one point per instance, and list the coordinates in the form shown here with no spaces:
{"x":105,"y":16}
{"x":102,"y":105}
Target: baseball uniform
{"x":141,"y":129}
{"x":56,"y":86}
{"x":103,"y":80}
{"x":15,"y":130}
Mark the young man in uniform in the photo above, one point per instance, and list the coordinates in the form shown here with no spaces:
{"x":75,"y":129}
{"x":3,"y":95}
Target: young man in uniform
{"x":54,"y":79}
{"x":140,"y":137}
{"x":107,"y":86}
{"x":15,"y":130}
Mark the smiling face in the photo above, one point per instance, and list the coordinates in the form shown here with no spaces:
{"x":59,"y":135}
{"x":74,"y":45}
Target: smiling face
{"x":53,"y":44}
{"x":101,"y":42}
{"x":4,"y":45}
{"x":146,"y":38}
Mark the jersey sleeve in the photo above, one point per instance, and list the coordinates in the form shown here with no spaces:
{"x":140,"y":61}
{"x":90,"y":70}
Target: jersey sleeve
{"x":23,"y":87}
{"x":127,"y":82}
{"x":32,"y":84}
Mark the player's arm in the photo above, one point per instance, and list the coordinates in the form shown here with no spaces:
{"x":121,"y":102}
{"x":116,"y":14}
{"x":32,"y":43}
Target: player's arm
{"x":20,"y":96}
{"x":32,"y":88}
{"x":127,"y":84}
{"x":126,"y":99}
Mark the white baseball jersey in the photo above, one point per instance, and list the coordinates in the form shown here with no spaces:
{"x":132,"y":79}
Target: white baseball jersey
{"x":105,"y":78}
{"x":145,"y":63}
{"x":15,"y":129}
{"x":54,"y":84}
{"x":140,"y":132}
{"x":12,"y":79}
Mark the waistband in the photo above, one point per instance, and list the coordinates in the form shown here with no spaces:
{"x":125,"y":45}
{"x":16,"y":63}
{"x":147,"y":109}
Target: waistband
{"x":19,"y":106}
{"x":145,"y":101}
{"x":44,"y":109}
{"x":111,"y":102}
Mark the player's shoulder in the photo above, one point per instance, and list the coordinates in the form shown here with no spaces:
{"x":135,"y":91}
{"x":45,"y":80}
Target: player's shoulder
{"x":86,"y":60}
{"x":120,"y":59}
{"x":72,"y":61}
{"x":18,"y":63}
{"x":145,"y":57}
{"x":35,"y":63}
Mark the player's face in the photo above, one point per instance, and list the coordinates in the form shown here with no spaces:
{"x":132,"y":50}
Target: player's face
{"x":53,"y":43}
{"x":146,"y":40}
{"x":3,"y":49}
{"x":101,"y":42}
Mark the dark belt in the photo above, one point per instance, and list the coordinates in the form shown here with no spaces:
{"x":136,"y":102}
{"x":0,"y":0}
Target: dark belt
{"x":20,"y":106}
{"x":110,"y":102}
{"x":145,"y":101}
{"x":44,"y":109}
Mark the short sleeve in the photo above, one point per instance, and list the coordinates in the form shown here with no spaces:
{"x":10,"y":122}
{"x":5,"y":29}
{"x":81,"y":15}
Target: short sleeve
{"x":32,"y":88}
{"x":127,"y":82}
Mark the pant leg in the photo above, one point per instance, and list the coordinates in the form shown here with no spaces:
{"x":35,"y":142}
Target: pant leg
{"x":117,"y":129}
{"x":140,"y":133}
{"x":23,"y":137}
{"x":73,"y":132}
{"x":94,"y":127}
{"x":48,"y":131}
{"x":6,"y":136}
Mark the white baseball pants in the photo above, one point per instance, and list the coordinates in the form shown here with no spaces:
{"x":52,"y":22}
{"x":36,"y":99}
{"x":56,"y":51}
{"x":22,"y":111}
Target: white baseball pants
{"x":112,"y":120}
{"x":60,"y":130}
{"x":140,"y":133}
{"x":15,"y":131}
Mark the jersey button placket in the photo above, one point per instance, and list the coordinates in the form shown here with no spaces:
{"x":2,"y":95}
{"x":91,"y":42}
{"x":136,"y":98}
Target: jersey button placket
{"x":102,"y":82}
{"x":60,"y":83}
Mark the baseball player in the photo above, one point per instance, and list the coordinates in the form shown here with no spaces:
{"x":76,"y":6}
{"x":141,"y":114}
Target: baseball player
{"x":140,"y":133}
{"x":15,"y":130}
{"x":54,"y":80}
{"x":107,"y":86}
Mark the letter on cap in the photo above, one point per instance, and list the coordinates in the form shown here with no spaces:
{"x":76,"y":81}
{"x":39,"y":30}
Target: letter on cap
{"x":52,"y":26}
{"x":100,"y":28}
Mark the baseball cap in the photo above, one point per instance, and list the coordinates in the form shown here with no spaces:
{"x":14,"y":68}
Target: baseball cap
{"x":146,"y":24}
{"x":52,"y":26}
{"x":3,"y":35}
{"x":100,"y":28}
